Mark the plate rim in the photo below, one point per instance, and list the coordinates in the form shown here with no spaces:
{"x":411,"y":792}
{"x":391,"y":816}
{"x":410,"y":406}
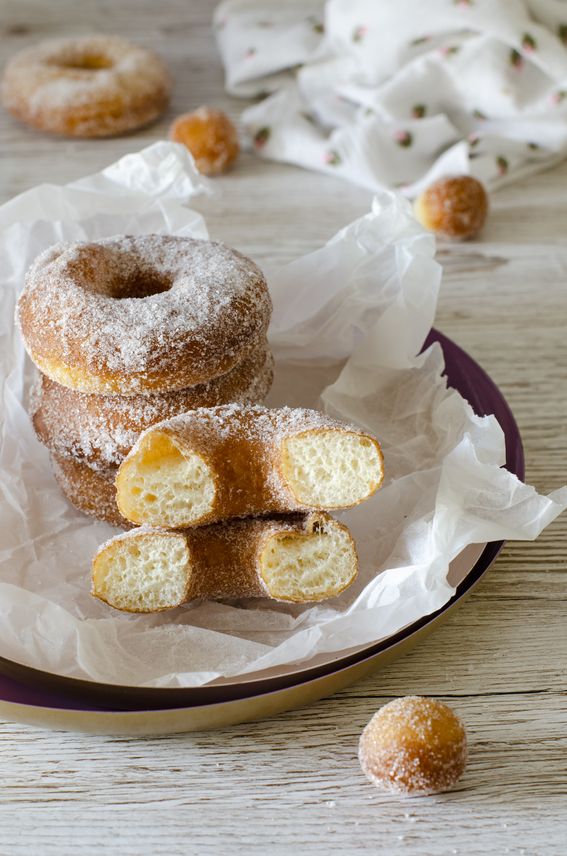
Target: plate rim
{"x":173,"y":698}
{"x":212,"y":715}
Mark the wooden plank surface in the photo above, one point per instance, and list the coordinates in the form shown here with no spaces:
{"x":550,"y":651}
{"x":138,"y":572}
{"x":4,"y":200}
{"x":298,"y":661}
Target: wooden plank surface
{"x":292,"y":784}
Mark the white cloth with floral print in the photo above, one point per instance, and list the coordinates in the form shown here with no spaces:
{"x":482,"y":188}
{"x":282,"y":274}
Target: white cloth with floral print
{"x":399,"y":93}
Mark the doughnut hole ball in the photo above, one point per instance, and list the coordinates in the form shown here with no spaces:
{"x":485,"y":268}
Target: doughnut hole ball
{"x":454,"y":208}
{"x":414,"y":746}
{"x":211,"y":138}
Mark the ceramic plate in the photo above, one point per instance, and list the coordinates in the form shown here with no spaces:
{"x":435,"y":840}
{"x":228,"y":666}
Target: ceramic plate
{"x":32,"y":695}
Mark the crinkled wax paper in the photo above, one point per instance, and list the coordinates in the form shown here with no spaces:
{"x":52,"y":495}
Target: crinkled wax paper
{"x":348,"y":321}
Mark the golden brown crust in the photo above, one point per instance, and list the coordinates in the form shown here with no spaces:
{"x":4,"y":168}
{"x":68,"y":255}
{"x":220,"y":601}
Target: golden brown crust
{"x":94,"y":86}
{"x":226,"y":555}
{"x":225,"y":558}
{"x":138,"y":314}
{"x":100,"y":430}
{"x":211,"y":138}
{"x":89,"y":491}
{"x":454,"y":208}
{"x":242,"y":447}
{"x":414,"y":745}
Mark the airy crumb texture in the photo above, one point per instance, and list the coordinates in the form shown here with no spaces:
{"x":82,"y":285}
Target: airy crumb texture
{"x":414,"y":746}
{"x":312,"y":566}
{"x":454,"y":208}
{"x":331,"y":468}
{"x":254,"y":468}
{"x":145,"y":573}
{"x":90,"y":86}
{"x":167,"y":485}
{"x":211,"y":138}
{"x":297,"y":557}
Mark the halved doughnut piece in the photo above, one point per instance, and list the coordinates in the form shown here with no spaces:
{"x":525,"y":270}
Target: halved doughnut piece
{"x":218,"y":463}
{"x":301,"y":558}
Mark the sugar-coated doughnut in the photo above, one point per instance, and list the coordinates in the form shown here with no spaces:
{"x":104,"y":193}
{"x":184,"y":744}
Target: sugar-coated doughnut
{"x":135,"y":314}
{"x":100,"y":430}
{"x":93,"y":86}
{"x":300,"y":558}
{"x":90,"y":491}
{"x":414,"y":746}
{"x":211,"y":138}
{"x":233,"y":461}
{"x":454,"y":208}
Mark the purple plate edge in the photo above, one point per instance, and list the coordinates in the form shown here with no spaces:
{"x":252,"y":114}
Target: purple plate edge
{"x":35,"y":689}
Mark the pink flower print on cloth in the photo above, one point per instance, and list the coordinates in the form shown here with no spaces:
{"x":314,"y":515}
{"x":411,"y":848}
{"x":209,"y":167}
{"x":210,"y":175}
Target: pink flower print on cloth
{"x":394,"y":90}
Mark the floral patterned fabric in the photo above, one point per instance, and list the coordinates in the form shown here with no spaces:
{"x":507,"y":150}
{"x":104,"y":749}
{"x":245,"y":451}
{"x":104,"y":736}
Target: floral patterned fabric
{"x":397,"y":93}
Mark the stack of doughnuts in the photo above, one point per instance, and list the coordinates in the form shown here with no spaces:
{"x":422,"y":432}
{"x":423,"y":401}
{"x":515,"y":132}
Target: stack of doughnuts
{"x":152,"y":358}
{"x":129,"y":331}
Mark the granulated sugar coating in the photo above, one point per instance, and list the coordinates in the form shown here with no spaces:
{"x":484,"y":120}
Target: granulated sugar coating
{"x":455,"y":208}
{"x":255,"y":422}
{"x":211,"y":138}
{"x":237,"y":461}
{"x":100,"y":430}
{"x":414,"y":746}
{"x":298,"y":558}
{"x":91,"y":491}
{"x":148,"y":313}
{"x":93,"y":86}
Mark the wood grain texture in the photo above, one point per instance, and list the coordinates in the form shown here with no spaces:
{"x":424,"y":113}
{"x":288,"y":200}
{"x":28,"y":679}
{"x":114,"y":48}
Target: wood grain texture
{"x":292,"y":784}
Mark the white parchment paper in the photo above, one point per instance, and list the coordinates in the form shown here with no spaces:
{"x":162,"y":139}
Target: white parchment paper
{"x":348,"y":321}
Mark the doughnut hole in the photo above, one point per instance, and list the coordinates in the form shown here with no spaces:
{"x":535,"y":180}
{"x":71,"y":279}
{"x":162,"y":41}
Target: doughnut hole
{"x":414,"y":746}
{"x":160,"y":484}
{"x":144,"y":283}
{"x":329,"y":468}
{"x":89,"y":62}
{"x":211,"y":138}
{"x":455,"y":208}
{"x":309,"y":567}
{"x":81,"y":58}
{"x":117,"y":273}
{"x":144,"y":573}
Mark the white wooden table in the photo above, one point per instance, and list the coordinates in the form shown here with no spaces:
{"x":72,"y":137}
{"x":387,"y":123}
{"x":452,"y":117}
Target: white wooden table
{"x":292,"y":784}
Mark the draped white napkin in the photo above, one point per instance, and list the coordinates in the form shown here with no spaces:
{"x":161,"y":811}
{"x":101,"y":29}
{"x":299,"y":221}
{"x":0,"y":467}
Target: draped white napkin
{"x":396,"y":93}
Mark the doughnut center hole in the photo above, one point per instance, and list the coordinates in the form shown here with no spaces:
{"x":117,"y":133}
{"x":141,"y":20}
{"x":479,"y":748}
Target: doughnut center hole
{"x":84,"y":62}
{"x":139,"y":285}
